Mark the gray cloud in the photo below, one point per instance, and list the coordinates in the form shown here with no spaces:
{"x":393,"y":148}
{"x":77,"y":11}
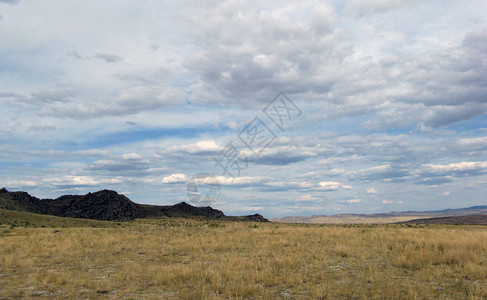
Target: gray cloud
{"x":8,"y":95}
{"x":129,"y":102}
{"x":260,"y":52}
{"x":476,"y":41}
{"x":365,"y":7}
{"x":108,"y":58}
{"x":41,"y":97}
{"x":447,"y":86}
{"x":74,"y":54}
{"x":51,"y":96}
{"x":284,"y":155}
{"x":10,"y":1}
{"x":127,"y":164}
{"x":393,"y":96}
{"x":386,"y":173}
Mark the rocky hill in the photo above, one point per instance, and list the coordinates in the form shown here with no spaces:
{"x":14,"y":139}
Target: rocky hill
{"x":108,"y":205}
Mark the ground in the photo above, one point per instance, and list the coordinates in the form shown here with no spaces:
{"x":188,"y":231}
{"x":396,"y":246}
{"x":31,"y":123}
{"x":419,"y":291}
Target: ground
{"x":198,"y":259}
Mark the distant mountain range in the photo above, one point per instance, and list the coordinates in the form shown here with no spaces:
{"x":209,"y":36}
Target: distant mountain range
{"x":108,"y":205}
{"x":460,"y":214}
{"x":459,"y":220}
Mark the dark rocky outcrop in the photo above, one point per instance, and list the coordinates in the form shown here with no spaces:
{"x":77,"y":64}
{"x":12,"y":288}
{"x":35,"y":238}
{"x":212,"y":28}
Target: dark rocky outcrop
{"x":182,"y":210}
{"x":102,"y":205}
{"x":108,"y":205}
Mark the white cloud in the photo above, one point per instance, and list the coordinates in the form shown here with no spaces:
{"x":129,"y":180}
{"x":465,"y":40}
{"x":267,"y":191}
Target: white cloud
{"x":461,"y":167}
{"x":392,"y":95}
{"x":291,"y":184}
{"x":21,"y":183}
{"x":205,"y":146}
{"x":478,"y":141}
{"x":371,"y":190}
{"x":391,"y":202}
{"x":308,"y":197}
{"x":131,"y":156}
{"x":386,"y":173}
{"x":243,"y":180}
{"x":74,"y":181}
{"x":174,"y":178}
{"x":352,"y":201}
{"x":131,"y":101}
{"x":332,"y":186}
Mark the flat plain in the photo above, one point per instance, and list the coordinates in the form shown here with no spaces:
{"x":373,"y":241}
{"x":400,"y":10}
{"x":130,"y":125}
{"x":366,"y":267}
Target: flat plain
{"x":52,"y":257}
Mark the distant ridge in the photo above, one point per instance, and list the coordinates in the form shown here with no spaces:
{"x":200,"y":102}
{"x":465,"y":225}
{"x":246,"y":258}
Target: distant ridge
{"x":392,"y":217}
{"x":459,"y":220}
{"x":108,"y":205}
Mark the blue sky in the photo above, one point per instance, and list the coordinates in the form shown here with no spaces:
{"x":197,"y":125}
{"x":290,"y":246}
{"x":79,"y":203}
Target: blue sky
{"x":140,"y":97}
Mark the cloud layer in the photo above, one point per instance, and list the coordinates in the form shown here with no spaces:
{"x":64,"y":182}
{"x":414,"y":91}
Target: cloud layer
{"x":140,"y":97}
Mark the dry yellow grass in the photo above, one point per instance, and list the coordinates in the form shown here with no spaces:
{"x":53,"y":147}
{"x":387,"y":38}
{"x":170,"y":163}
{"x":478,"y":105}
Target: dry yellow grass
{"x":360,"y":220}
{"x":188,"y":259}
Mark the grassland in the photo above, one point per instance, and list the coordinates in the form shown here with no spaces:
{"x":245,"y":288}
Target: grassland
{"x":195,"y":259}
{"x":347,"y":219}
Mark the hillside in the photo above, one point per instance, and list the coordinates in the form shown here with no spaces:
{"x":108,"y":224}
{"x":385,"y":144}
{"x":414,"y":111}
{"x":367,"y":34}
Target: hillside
{"x":108,"y":205}
{"x":14,"y":218}
{"x":383,"y":218}
{"x":460,"y":220}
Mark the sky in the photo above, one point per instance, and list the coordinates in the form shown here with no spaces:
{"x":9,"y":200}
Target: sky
{"x":294,"y":107}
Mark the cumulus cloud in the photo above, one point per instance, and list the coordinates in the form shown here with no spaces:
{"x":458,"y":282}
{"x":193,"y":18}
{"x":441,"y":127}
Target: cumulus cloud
{"x":332,"y":186}
{"x":21,"y":183}
{"x":391,"y":202}
{"x":386,"y":106}
{"x":470,"y":168}
{"x":428,"y":174}
{"x":72,"y":181}
{"x":239,"y":181}
{"x":371,"y":190}
{"x":308,"y":198}
{"x":351,"y":201}
{"x":200,"y":147}
{"x":248,"y":50}
{"x":174,"y":178}
{"x":79,"y":181}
